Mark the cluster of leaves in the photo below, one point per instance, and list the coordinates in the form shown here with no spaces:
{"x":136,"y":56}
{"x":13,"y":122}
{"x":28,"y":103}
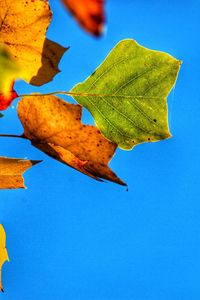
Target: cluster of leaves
{"x":126,"y":94}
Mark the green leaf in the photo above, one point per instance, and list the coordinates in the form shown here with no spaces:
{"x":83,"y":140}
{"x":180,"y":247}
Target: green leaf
{"x":127,"y":94}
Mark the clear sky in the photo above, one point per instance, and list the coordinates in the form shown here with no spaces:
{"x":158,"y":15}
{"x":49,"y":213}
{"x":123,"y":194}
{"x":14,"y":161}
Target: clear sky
{"x":70,"y":237}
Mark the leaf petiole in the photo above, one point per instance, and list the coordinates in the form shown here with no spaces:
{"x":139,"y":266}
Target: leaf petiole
{"x":87,"y":94}
{"x":12,"y":136}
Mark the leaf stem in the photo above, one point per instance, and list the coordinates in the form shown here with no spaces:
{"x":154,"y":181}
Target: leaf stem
{"x":46,"y":94}
{"x":87,"y":94}
{"x":13,"y":136}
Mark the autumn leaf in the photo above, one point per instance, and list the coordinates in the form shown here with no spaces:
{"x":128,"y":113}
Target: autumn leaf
{"x":54,"y":126}
{"x":88,"y":13}
{"x":11,"y":171}
{"x":127,"y":94}
{"x":6,"y":99}
{"x":3,"y":252}
{"x":23,"y":25}
{"x":9,"y":71}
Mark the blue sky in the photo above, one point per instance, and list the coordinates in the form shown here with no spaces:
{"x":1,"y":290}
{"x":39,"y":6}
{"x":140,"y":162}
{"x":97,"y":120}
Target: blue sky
{"x":70,"y":237}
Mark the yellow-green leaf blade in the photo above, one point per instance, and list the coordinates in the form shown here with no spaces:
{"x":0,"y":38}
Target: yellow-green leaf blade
{"x":127,"y":94}
{"x":9,"y":70}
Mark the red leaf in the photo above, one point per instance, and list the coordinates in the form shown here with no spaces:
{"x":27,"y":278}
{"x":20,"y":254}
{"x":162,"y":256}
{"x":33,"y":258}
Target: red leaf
{"x":6,"y":100}
{"x":88,"y":13}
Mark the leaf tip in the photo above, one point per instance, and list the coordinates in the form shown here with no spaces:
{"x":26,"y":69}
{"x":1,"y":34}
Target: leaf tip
{"x":35,"y":162}
{"x":167,"y":135}
{"x":178,"y":63}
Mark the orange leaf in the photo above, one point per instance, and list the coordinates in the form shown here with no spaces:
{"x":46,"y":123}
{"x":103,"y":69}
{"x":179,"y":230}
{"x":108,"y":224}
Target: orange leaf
{"x":23,"y":25}
{"x":11,"y":171}
{"x":88,"y":13}
{"x":54,"y":126}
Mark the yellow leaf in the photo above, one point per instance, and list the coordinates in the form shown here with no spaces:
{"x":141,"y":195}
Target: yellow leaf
{"x":23,"y":25}
{"x":3,"y":252}
{"x":54,"y":126}
{"x":11,"y":171}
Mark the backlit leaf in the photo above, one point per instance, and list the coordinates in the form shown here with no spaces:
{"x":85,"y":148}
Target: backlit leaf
{"x":3,"y":252}
{"x":88,"y":13}
{"x":127,"y":94}
{"x":23,"y":25}
{"x":11,"y":171}
{"x":55,"y":127}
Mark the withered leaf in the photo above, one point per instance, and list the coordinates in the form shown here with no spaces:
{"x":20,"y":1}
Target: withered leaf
{"x":11,"y":171}
{"x":54,"y":126}
{"x":88,"y":13}
{"x":23,"y":25}
{"x":3,"y":252}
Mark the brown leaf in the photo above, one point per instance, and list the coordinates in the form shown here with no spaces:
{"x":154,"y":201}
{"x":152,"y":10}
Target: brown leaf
{"x":88,"y":13}
{"x":54,"y":126}
{"x":23,"y":25}
{"x":11,"y":171}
